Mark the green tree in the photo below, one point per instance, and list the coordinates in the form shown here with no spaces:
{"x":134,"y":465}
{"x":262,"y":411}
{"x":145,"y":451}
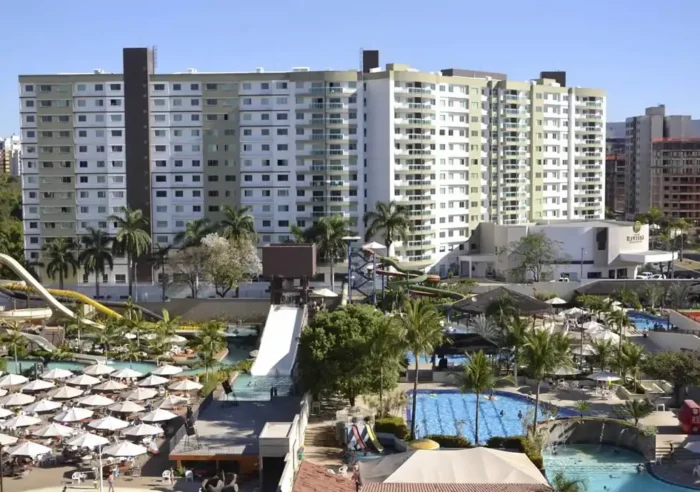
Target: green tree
{"x":96,"y":255}
{"x":112,"y":335}
{"x":620,"y":321}
{"x":60,"y":259}
{"x":208,"y":342}
{"x":560,"y":483}
{"x":132,"y":238}
{"x":603,"y":353}
{"x":168,"y":325}
{"x":14,"y":340}
{"x":486,"y":328}
{"x":329,"y":234}
{"x":682,"y":369}
{"x":582,"y":406}
{"x":159,"y":259}
{"x":635,"y":409}
{"x":422,"y":333}
{"x":385,"y":347}
{"x":534,"y":256}
{"x":76,"y":326}
{"x":653,"y":294}
{"x":390,"y":219}
{"x":237,"y":224}
{"x":681,"y":226}
{"x":158,"y":346}
{"x":503,"y":310}
{"x":194,"y":232}
{"x":11,"y":230}
{"x":132,"y":352}
{"x":679,"y":295}
{"x":515,"y":337}
{"x":633,"y":356}
{"x":478,"y":377}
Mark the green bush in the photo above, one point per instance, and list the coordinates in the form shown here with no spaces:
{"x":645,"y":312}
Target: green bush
{"x":243,"y":365}
{"x":392,"y":425}
{"x":450,"y":442}
{"x":522,"y":444}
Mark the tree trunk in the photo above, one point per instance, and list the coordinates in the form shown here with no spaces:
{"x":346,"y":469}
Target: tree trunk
{"x":619,"y":350}
{"x":537,"y":406}
{"x":162,"y":281}
{"x":130,"y":267}
{"x":60,"y":279}
{"x":97,"y":284}
{"x":333,"y":276}
{"x":476,"y":421}
{"x":515,"y":366}
{"x":415,"y":399}
{"x":680,"y":256}
{"x":381,"y":389}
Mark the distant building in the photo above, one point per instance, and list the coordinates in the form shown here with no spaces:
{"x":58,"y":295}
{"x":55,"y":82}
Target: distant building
{"x":10,"y":151}
{"x":675,"y":178}
{"x":615,"y":193}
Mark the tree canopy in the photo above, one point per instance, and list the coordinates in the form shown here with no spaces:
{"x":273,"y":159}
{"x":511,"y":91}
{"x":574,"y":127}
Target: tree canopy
{"x":534,"y":256}
{"x":682,"y":369}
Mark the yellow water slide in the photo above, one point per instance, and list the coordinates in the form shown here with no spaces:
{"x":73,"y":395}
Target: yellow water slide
{"x":71,"y":294}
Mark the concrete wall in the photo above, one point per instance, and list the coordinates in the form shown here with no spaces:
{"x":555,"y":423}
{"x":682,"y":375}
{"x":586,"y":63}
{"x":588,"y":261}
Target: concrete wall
{"x":683,"y":322}
{"x":674,"y":341}
{"x":232,"y":310}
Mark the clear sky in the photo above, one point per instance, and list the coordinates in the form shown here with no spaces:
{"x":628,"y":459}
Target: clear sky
{"x":642,"y":52}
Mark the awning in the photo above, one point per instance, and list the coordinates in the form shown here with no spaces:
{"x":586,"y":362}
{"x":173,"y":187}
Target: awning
{"x":648,"y":257}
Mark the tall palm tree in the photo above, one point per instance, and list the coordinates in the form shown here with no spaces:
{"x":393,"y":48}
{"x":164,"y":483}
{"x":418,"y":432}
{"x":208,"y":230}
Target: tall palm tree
{"x":635,"y":409}
{"x":194,"y":232}
{"x":76,"y":326}
{"x":478,"y":377}
{"x":678,"y":295}
{"x":60,"y":258}
{"x":516,"y":329}
{"x":168,"y":325}
{"x":132,"y":321}
{"x":208,"y":342}
{"x":111,"y":335}
{"x":633,"y":356}
{"x":619,"y":320}
{"x":96,"y":255}
{"x":391,"y":219}
{"x":132,"y":352}
{"x":486,"y":328}
{"x":386,"y":349}
{"x":237,"y":224}
{"x":421,"y":333}
{"x":329,"y":233}
{"x":560,"y":483}
{"x":681,"y":226}
{"x":603,"y":353}
{"x":13,"y":339}
{"x":133,"y":239}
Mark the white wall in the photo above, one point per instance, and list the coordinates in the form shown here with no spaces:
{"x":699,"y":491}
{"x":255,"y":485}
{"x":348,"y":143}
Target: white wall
{"x":674,"y":341}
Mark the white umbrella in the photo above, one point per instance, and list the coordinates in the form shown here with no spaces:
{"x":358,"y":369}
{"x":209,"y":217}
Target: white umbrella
{"x":110,"y":385}
{"x":149,"y":336}
{"x":53,"y":430}
{"x":16,"y":400}
{"x":373,"y":245}
{"x":126,"y":407}
{"x":592,"y":325}
{"x":83,"y":380}
{"x":555,"y":301}
{"x":12,"y":380}
{"x":4,"y":413}
{"x":185,"y":385}
{"x":125,"y":449}
{"x":142,"y":430}
{"x":602,"y":335}
{"x":75,"y":414}
{"x":88,"y":440}
{"x":21,"y":421}
{"x":3,"y":392}
{"x":57,"y":374}
{"x":98,"y":369}
{"x":37,"y":385}
{"x":126,"y":373}
{"x":604,"y":376}
{"x":65,"y":393}
{"x":693,"y":446}
{"x":95,"y":401}
{"x":158,"y":415}
{"x":108,"y":423}
{"x":141,"y":394}
{"x":566,"y":371}
{"x":28,"y":448}
{"x":586,"y":351}
{"x":166,"y":370}
{"x":154,"y":380}
{"x":42,"y":406}
{"x":171,"y":401}
{"x":176,"y":339}
{"x":6,"y":440}
{"x":574,"y":311}
{"x":323,"y":293}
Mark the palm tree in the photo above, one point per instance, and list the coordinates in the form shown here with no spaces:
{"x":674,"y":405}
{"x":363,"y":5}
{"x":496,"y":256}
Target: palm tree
{"x":478,"y":377}
{"x":208,"y":342}
{"x":158,"y":346}
{"x":681,"y":226}
{"x":653,"y":294}
{"x":132,"y":351}
{"x":77,"y":326}
{"x":560,"y":483}
{"x":329,"y":233}
{"x":167,"y":326}
{"x":59,"y":256}
{"x":582,"y":406}
{"x":679,"y":295}
{"x":391,"y":218}
{"x":110,"y":336}
{"x":602,"y":353}
{"x":237,"y":224}
{"x":159,"y":259}
{"x":194,"y":232}
{"x":96,"y":255}
{"x":486,"y":328}
{"x":635,"y":409}
{"x":544,"y":353}
{"x":386,"y":349}
{"x":421,"y":332}
{"x":207,"y":360}
{"x":132,"y":320}
{"x":633,"y":356}
{"x":516,"y":329}
{"x":619,"y":319}
{"x":132,"y":238}
{"x":13,"y":340}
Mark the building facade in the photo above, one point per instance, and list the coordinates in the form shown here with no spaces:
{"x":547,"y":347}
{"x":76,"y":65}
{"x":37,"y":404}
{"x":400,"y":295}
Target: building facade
{"x":675,"y":178}
{"x":10,"y":151}
{"x":457,"y":147}
{"x":615,"y":192}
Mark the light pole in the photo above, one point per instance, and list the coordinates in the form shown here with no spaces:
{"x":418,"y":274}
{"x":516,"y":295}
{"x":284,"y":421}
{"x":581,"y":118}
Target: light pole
{"x":583,"y":250}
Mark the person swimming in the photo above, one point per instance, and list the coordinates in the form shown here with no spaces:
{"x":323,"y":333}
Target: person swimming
{"x":520,"y":414}
{"x":502,"y":413}
{"x":640,"y":468}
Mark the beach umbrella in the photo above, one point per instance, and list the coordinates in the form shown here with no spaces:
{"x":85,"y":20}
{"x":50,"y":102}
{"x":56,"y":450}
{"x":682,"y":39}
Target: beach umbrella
{"x":574,"y":311}
{"x":6,"y":440}
{"x":126,"y":373}
{"x":108,"y":423}
{"x":3,"y":391}
{"x":142,"y":430}
{"x":154,"y":380}
{"x":21,"y":421}
{"x":592,"y":325}
{"x":75,"y":414}
{"x":95,"y":401}
{"x":126,"y":407}
{"x":171,"y":401}
{"x":110,"y":385}
{"x":141,"y":394}
{"x":83,"y":380}
{"x":37,"y":385}
{"x":555,"y":301}
{"x":176,"y":339}
{"x":124,"y":449}
{"x":604,"y":376}
{"x":4,"y":413}
{"x":65,"y":393}
{"x":166,"y":370}
{"x":88,"y":440}
{"x":57,"y":374}
{"x":323,"y":293}
{"x":158,"y":415}
{"x":566,"y":371}
{"x":98,"y":369}
{"x":693,"y":446}
{"x":185,"y":385}
{"x":53,"y":430}
{"x":16,"y":400}
{"x":149,"y":336}
{"x":43,"y":405}
{"x":603,"y":334}
{"x":12,"y":380}
{"x":28,"y":448}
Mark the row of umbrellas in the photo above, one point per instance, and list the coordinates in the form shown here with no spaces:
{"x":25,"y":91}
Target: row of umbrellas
{"x":121,"y":449}
{"x":78,"y":414}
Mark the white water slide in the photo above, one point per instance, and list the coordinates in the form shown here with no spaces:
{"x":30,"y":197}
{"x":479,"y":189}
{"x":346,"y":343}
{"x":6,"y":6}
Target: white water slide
{"x":280,"y":338}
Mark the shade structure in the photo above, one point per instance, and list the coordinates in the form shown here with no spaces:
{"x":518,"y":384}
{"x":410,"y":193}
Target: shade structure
{"x":98,"y":369}
{"x":37,"y":385}
{"x":574,"y":311}
{"x":4,"y":413}
{"x":158,"y":415}
{"x":323,"y":293}
{"x":6,"y":440}
{"x":185,"y":385}
{"x":83,"y":380}
{"x":126,"y":373}
{"x":12,"y":380}
{"x":555,"y":301}
{"x":592,"y":325}
{"x":53,"y":430}
{"x":480,"y":303}
{"x":108,"y":423}
{"x":374,"y":245}
{"x":125,"y":449}
{"x":141,"y":394}
{"x":110,"y":385}
{"x":566,"y":371}
{"x":43,"y":405}
{"x":604,"y":376}
{"x":176,"y":339}
{"x":17,"y":400}
{"x":88,"y":440}
{"x":425,"y":444}
{"x":693,"y":446}
{"x":21,"y":421}
{"x":3,"y":391}
{"x":142,"y":430}
{"x":65,"y":393}
{"x":602,"y":334}
{"x":166,"y":370}
{"x":171,"y":401}
{"x":95,"y":401}
{"x":154,"y":380}
{"x":126,"y":407}
{"x":57,"y":374}
{"x":28,"y":448}
{"x":75,"y":414}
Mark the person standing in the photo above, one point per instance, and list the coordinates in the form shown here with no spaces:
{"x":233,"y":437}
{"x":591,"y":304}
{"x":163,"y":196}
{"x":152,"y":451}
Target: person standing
{"x":110,"y":481}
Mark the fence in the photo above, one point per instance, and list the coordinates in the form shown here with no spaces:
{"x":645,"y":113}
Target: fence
{"x":296,"y":437}
{"x":182,"y":431}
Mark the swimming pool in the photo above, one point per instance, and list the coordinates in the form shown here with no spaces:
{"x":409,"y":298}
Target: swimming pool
{"x":452,"y":360}
{"x":604,"y":468}
{"x":645,"y":322}
{"x":451,"y":412}
{"x":257,"y":388}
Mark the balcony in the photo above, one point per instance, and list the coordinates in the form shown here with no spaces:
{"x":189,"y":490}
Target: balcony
{"x":420,"y":213}
{"x":419,"y":90}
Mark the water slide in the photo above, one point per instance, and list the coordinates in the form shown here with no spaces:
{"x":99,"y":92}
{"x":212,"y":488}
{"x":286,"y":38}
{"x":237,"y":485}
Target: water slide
{"x":32,"y":314}
{"x":413,"y":280}
{"x":280,"y":338}
{"x":373,"y":438}
{"x":357,"y":437}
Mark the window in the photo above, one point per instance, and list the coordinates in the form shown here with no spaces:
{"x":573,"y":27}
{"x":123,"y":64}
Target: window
{"x":29,"y":88}
{"x":281,"y":116}
{"x":115,"y":102}
{"x":99,"y":87}
{"x":161,"y":163}
{"x":161,"y":179}
{"x":114,"y":118}
{"x":177,"y":87}
{"x":161,"y":193}
{"x":194,"y":87}
{"x":178,"y":178}
{"x":158,"y":87}
{"x":282,"y":177}
{"x":282,"y":146}
{"x":115,"y":87}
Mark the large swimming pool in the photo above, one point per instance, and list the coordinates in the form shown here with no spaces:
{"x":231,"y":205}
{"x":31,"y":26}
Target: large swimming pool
{"x":451,"y":412}
{"x":645,"y":322}
{"x":604,"y":469}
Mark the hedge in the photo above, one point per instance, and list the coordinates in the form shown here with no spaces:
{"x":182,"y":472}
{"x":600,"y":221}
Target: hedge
{"x":392,"y":425}
{"x":521,"y":444}
{"x":450,"y":442}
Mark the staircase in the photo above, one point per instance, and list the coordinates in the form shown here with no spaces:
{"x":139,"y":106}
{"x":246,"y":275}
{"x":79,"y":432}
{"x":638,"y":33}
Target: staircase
{"x":663,"y":452}
{"x":321,"y":435}
{"x":424,"y":375}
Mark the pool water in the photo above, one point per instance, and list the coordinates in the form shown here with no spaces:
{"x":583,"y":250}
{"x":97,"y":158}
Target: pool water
{"x":452,"y":413}
{"x":452,"y":360}
{"x":604,"y":466}
{"x":645,"y":322}
{"x":257,"y":388}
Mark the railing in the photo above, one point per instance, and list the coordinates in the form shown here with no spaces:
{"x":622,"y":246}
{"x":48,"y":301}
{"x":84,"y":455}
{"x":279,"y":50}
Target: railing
{"x":182,"y":431}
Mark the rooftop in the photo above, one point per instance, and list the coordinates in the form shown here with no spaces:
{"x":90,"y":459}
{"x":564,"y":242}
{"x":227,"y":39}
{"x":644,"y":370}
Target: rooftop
{"x":315,"y":478}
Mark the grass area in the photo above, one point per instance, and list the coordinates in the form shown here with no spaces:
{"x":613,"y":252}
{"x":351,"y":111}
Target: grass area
{"x":688,"y":264}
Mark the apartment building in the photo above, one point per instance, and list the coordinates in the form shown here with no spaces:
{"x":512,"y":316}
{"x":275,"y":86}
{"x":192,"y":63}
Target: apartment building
{"x":675,"y":178}
{"x":10,"y":150}
{"x":615,"y":175}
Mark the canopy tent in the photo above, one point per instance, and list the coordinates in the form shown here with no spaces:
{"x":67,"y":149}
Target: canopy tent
{"x":556,"y":301}
{"x":28,"y":448}
{"x":88,"y":440}
{"x":57,"y":374}
{"x":37,"y":385}
{"x":480,"y":303}
{"x":98,"y":369}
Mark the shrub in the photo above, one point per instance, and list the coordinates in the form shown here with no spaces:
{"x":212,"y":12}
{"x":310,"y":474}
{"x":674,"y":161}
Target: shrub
{"x":450,"y":442}
{"x":522,"y":444}
{"x":243,"y":365}
{"x":392,"y":425}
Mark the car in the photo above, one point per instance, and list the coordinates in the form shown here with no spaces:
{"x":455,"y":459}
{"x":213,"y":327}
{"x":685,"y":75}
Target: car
{"x":658,"y":276}
{"x":643,"y":276}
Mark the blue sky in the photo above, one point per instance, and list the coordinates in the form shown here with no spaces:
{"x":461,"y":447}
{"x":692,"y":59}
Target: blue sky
{"x":641,"y":51}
